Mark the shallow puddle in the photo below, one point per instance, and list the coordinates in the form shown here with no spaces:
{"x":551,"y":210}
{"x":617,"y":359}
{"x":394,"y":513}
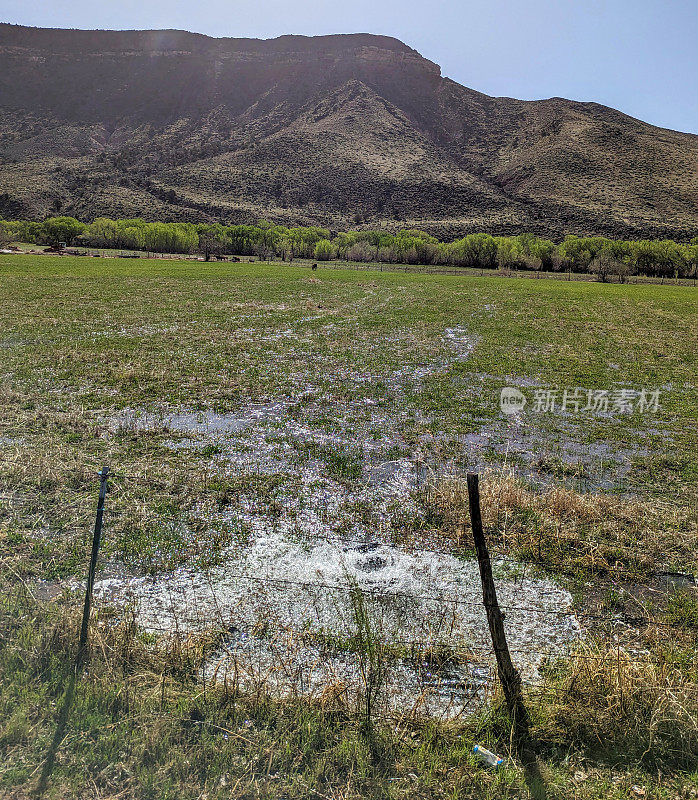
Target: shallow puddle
{"x":205,"y":424}
{"x":283,"y":600}
{"x":273,"y":596}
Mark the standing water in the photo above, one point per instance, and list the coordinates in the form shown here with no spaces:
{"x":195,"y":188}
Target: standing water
{"x":287,"y":605}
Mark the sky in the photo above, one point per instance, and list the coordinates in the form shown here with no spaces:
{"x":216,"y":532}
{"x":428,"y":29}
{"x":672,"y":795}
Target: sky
{"x":639,"y":56}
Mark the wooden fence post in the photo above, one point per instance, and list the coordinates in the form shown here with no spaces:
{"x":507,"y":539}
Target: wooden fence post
{"x":508,"y":674}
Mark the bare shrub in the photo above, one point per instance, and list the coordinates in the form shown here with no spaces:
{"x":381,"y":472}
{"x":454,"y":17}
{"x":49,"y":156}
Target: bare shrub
{"x":361,"y":251}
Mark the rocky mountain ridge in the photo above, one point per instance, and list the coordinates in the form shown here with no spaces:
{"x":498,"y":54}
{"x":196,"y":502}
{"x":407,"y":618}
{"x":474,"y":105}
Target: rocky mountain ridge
{"x":339,"y":130}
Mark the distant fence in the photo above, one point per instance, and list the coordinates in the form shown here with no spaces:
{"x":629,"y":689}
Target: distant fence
{"x":372,"y":266}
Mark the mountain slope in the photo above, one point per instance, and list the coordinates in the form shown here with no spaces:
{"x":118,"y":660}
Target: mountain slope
{"x":331,"y":130}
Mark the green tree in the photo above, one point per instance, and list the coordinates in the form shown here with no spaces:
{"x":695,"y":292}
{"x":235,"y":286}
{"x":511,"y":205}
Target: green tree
{"x":304,"y":240}
{"x":213,"y":240}
{"x":325,"y":250}
{"x":474,"y":250}
{"x":131,"y":233}
{"x":642,"y":257}
{"x":267,"y":239}
{"x":508,"y":253}
{"x":243,"y":239}
{"x":103,"y":232}
{"x":536,"y":253}
{"x":24,"y":231}
{"x":580,"y":252}
{"x":668,"y":258}
{"x":5,"y":234}
{"x":410,"y":246}
{"x":691,"y":259}
{"x":61,"y":229}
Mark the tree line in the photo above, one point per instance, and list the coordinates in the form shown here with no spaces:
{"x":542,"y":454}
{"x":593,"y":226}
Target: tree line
{"x":606,"y":258}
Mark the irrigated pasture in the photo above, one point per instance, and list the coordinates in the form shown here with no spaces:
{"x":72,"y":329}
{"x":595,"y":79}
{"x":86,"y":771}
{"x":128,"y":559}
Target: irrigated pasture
{"x":287,"y":602}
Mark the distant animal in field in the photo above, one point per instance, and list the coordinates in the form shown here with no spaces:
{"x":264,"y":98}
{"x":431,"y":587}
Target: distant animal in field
{"x":313,"y":267}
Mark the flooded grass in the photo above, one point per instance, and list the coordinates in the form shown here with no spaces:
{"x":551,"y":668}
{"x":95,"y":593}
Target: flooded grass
{"x":288,"y":459}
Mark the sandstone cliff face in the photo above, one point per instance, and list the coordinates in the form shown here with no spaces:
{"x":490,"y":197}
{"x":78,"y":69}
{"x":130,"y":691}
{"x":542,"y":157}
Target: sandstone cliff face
{"x":93,"y":75}
{"x":329,"y":129}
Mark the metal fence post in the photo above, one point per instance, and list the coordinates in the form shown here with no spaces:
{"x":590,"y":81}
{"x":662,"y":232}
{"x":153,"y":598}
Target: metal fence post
{"x":96,"y":538}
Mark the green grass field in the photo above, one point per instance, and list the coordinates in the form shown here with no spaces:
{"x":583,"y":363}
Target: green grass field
{"x":152,"y":367}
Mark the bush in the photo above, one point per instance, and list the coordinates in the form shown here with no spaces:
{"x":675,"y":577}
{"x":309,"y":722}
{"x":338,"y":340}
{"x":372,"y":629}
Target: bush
{"x":361,"y":251}
{"x":325,"y":250}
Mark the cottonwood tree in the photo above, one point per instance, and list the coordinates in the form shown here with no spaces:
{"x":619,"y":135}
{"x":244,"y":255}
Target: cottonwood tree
{"x":506,"y":253}
{"x":213,"y":241}
{"x":692,"y":260}
{"x":665,"y":258}
{"x":62,"y":229}
{"x":325,"y":250}
{"x":668,"y":258}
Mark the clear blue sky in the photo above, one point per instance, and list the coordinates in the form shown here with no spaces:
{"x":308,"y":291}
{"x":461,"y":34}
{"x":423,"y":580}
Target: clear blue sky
{"x":640,"y":56}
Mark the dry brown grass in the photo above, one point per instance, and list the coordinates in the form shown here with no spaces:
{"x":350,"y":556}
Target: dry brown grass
{"x":142,"y":713}
{"x":569,"y":531}
{"x":604,"y":698}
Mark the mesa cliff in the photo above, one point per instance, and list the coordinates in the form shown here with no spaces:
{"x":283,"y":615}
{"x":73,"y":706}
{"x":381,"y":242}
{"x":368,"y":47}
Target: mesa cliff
{"x":333,"y":130}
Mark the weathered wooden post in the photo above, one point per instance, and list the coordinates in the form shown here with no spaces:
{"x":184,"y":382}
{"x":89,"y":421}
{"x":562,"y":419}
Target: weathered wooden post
{"x":508,"y":674}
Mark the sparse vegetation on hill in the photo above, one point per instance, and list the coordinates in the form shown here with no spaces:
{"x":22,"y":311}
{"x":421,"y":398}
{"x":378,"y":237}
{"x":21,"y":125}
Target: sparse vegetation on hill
{"x":330,"y":131}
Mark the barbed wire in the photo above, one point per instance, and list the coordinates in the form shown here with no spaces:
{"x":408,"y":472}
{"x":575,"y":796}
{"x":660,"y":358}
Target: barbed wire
{"x":556,"y":538}
{"x":452,"y":546}
{"x":474,"y":653}
{"x":385,"y":594}
{"x":469,"y":601}
{"x":619,"y":658}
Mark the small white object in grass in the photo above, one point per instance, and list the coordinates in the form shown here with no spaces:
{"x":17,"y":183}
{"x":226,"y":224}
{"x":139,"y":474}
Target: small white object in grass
{"x":487,"y":756}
